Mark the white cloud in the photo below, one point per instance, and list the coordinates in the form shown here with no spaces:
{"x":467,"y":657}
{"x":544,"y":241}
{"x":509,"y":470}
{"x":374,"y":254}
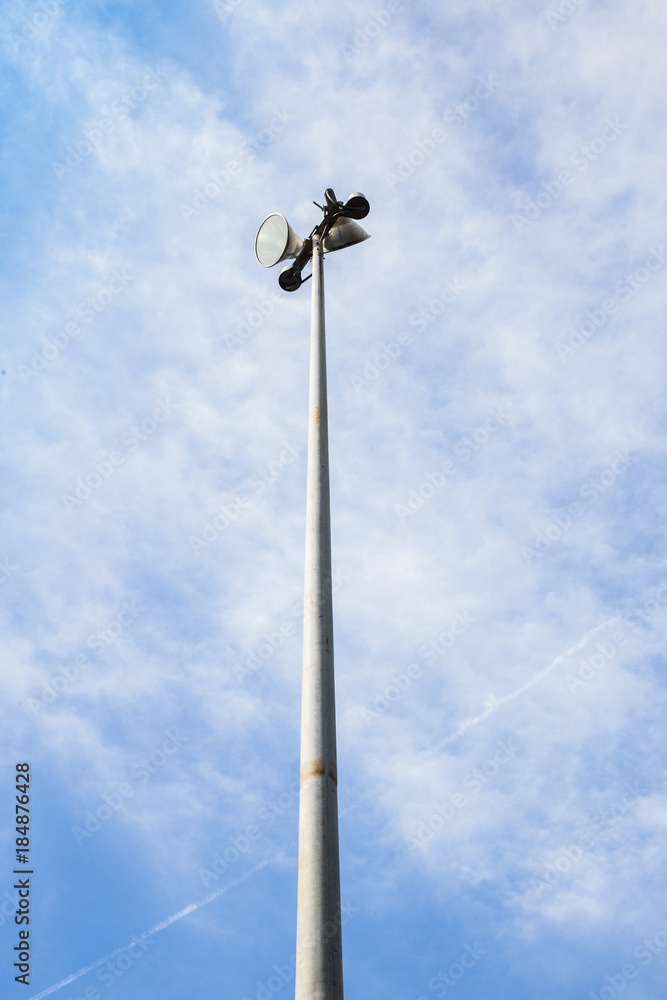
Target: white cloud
{"x":273,"y":109}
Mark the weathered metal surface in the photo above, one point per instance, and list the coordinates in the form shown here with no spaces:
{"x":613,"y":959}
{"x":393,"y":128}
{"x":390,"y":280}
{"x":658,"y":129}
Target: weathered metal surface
{"x":319,"y":964}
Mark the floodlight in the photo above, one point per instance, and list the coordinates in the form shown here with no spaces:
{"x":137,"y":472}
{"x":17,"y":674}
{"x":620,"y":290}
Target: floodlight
{"x":276,"y":241}
{"x":343,"y":233}
{"x":290,"y":278}
{"x":356,"y":207}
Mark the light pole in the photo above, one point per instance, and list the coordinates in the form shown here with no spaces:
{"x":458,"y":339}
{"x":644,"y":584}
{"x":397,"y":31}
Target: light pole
{"x":319,"y":956}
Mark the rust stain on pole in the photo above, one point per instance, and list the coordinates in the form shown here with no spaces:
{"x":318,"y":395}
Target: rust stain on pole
{"x":317,"y":769}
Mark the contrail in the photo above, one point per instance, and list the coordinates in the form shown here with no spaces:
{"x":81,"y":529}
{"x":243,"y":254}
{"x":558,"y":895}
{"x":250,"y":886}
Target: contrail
{"x":146,"y":934}
{"x":497,"y":702}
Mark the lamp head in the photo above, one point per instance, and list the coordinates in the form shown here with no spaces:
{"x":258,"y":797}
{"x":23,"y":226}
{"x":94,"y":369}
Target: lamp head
{"x":276,"y":241}
{"x":343,"y":233}
{"x":290,"y":278}
{"x":356,"y":207}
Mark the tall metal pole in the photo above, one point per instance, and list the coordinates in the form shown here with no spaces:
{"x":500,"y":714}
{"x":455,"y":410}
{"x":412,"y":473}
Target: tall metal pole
{"x":319,"y":957}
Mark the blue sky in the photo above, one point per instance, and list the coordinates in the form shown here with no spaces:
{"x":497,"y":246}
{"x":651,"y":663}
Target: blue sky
{"x":496,"y":359}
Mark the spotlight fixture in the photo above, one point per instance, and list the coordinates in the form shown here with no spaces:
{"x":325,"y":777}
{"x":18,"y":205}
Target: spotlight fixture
{"x":290,"y":278}
{"x":276,"y":240}
{"x":356,"y":207}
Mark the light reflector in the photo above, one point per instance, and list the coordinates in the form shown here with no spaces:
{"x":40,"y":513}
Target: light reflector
{"x":343,"y":233}
{"x":276,"y":240}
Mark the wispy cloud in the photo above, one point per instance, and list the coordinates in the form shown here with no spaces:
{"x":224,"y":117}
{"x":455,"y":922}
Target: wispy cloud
{"x":130,"y":279}
{"x":493,"y":703}
{"x":185,"y":912}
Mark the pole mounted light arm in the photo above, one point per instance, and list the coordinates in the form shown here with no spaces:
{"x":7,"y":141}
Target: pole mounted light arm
{"x":276,"y":241}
